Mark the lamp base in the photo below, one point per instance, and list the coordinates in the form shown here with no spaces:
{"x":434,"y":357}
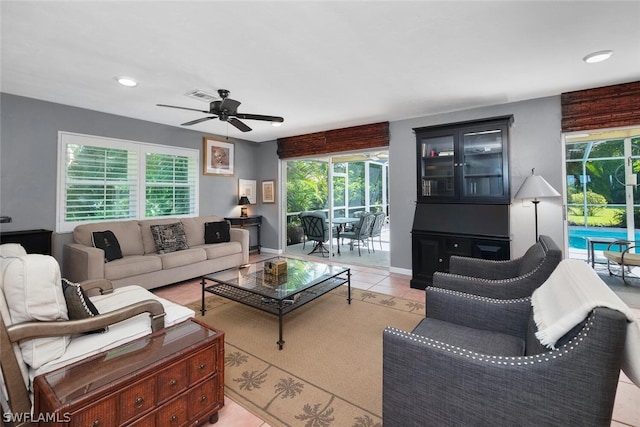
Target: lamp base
{"x":243,"y":212}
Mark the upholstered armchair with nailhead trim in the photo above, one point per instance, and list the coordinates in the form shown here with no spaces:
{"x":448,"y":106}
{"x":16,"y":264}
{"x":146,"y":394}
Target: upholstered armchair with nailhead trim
{"x":476,"y":361}
{"x":515,"y":278}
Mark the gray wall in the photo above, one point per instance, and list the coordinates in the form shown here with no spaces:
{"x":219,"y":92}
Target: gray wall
{"x":28,"y":153}
{"x":28,"y":150}
{"x":535,"y":143}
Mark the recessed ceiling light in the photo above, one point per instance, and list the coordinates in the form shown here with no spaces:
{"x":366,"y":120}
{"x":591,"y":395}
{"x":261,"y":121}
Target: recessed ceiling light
{"x":127,"y":81}
{"x":599,"y":56}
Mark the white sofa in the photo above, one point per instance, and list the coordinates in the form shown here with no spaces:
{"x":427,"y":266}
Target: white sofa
{"x":141,"y":263}
{"x":37,"y":335}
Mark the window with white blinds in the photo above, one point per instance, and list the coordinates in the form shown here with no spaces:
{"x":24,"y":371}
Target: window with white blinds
{"x":103,"y":179}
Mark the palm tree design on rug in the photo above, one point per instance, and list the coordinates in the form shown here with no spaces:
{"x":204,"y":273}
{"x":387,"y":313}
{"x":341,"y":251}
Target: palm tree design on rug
{"x":251,"y":380}
{"x":235,"y":359}
{"x":286,"y":388}
{"x":315,"y":417}
{"x":366,"y":421}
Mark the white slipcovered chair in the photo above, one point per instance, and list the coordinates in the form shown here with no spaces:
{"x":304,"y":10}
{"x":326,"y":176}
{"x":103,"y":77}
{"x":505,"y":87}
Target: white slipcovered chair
{"x":36,"y":333}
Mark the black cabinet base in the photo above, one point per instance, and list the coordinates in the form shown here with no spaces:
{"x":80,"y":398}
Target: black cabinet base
{"x":432,"y":251}
{"x":33,"y":241}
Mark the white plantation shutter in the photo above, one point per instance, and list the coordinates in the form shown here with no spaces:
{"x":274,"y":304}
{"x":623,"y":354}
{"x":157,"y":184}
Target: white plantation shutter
{"x":170,"y":184}
{"x":102,"y":179}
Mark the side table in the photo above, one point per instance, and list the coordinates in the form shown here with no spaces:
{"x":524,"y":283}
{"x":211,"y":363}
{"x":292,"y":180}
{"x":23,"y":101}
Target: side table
{"x":174,"y":376}
{"x":245,"y":222}
{"x":591,"y":248}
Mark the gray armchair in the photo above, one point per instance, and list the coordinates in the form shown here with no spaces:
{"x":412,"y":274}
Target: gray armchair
{"x":516,"y":278}
{"x":476,"y":361}
{"x":316,"y":228}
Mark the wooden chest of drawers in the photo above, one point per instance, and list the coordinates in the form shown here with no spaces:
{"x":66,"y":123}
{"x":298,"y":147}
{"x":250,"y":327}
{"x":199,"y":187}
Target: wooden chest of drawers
{"x":174,"y":377}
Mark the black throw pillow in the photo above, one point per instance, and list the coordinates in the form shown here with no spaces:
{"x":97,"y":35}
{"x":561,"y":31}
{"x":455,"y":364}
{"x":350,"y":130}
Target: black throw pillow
{"x":79,"y":306}
{"x":108,"y":242}
{"x":216,"y":232}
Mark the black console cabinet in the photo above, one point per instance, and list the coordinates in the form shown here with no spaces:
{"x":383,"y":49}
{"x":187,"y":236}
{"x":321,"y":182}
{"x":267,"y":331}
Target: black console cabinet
{"x":463,"y":195}
{"x":33,"y":241}
{"x":432,"y":251}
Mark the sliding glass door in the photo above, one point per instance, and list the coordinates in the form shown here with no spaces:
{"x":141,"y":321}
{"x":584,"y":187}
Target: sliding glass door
{"x":602,"y":193}
{"x":341,"y":186}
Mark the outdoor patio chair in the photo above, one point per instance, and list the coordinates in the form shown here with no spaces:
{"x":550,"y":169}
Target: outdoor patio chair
{"x":626,"y":257}
{"x":316,"y":228}
{"x":376,"y":228}
{"x":361,"y":232}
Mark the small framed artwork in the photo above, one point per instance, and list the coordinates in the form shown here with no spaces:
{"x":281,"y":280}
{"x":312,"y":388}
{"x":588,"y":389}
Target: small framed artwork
{"x":218,"y":157}
{"x":268,"y":191}
{"x":247,"y":187}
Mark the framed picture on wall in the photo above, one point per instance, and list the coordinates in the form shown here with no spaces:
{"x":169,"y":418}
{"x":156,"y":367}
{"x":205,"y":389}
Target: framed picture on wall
{"x":219,"y":157}
{"x":268,"y":191}
{"x":247,"y":187}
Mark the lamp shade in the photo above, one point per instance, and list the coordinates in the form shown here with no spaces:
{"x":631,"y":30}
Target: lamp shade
{"x":244,"y":200}
{"x":536,"y":187}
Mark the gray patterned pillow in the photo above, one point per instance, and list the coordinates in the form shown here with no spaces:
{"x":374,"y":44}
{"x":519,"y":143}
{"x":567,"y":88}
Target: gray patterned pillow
{"x":169,"y":237}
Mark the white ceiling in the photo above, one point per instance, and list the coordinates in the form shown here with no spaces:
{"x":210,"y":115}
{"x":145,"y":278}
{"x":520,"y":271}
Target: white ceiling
{"x":320,"y":65}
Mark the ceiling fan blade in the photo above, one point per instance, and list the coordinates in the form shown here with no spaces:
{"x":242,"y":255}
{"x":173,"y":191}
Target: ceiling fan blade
{"x":240,"y":125}
{"x":260,"y":117}
{"x":184,"y":108}
{"x":193,"y":122}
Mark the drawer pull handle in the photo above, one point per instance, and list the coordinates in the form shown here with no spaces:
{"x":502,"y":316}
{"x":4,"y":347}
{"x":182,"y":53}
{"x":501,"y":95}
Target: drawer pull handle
{"x":139,"y":401}
{"x":173,"y":383}
{"x":203,"y":398}
{"x":174,"y":418}
{"x":95,"y":423}
{"x":202,"y":366}
{"x":455,"y":245}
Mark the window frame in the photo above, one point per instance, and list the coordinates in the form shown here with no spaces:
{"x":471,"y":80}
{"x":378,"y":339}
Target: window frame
{"x":141,"y":149}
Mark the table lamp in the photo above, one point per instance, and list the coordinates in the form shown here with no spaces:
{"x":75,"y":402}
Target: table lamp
{"x":244,"y":201}
{"x":535,"y":187}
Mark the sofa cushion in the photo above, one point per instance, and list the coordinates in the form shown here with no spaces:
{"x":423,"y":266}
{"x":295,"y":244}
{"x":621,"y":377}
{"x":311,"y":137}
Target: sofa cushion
{"x":222,"y":249}
{"x":180,"y":258}
{"x":128,"y":234}
{"x":194,"y":228}
{"x":132,"y":266}
{"x":31,"y":286}
{"x":119,"y":333}
{"x":216,"y":232}
{"x":169,"y":237}
{"x":147,"y":237}
{"x":108,"y":242}
{"x":484,"y":342}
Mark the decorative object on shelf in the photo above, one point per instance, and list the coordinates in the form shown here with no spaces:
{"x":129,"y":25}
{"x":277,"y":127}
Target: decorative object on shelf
{"x":218,"y":158}
{"x":244,"y":201}
{"x":247,"y":187}
{"x":535,"y":187}
{"x":268,"y":191}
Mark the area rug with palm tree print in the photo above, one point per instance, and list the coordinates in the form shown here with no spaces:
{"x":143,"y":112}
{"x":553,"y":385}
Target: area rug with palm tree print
{"x":329,"y":372}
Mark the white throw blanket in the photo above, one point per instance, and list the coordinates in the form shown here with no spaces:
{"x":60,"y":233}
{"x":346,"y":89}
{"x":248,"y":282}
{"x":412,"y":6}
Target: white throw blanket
{"x":566,"y":298}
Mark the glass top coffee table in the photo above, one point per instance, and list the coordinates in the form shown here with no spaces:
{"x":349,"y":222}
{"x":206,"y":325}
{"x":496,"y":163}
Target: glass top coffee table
{"x":303,"y":282}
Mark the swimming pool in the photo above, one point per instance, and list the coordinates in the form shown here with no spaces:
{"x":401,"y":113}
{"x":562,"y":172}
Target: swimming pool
{"x":577,"y":236}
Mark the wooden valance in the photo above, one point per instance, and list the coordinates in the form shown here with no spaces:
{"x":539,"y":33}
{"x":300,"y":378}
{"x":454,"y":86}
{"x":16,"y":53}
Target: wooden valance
{"x":335,"y":141}
{"x":601,"y":108}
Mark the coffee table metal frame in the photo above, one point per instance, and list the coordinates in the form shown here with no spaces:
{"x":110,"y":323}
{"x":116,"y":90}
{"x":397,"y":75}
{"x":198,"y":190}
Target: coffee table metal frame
{"x":249,"y":285}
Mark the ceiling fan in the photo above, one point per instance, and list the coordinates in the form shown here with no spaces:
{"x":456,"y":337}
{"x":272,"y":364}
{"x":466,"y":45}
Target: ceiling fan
{"x":226,"y":109}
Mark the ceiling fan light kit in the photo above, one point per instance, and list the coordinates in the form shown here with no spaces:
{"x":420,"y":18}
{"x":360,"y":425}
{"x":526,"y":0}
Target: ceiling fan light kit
{"x":226,"y":109}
